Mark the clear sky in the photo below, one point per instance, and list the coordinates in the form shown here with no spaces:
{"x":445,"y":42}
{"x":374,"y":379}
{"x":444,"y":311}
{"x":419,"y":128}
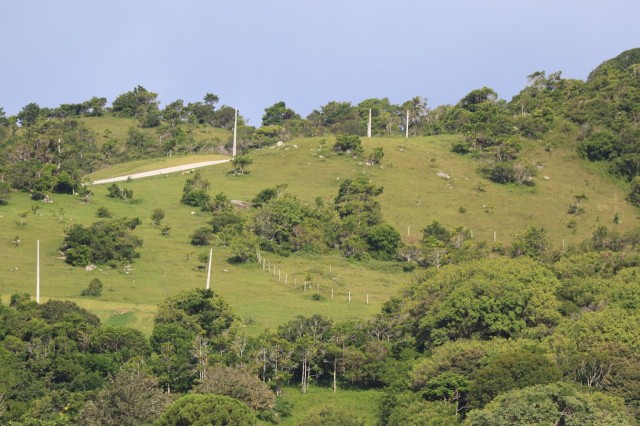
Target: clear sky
{"x":254,"y":53}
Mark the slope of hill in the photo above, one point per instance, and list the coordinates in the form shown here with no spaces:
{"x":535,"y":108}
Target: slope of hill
{"x":416,"y":192}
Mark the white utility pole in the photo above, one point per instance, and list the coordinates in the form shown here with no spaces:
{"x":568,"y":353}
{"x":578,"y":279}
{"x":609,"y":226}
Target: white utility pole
{"x":235,"y":133}
{"x":369,"y":125}
{"x":406,"y":135}
{"x":209,"y":270}
{"x":38,"y":272}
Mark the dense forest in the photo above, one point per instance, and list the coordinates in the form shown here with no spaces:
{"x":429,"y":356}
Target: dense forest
{"x":480,"y":335}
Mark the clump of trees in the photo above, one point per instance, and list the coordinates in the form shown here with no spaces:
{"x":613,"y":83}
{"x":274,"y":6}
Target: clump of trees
{"x":106,"y":242}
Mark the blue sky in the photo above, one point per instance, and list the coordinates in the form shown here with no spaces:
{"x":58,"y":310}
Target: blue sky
{"x":253,"y":53}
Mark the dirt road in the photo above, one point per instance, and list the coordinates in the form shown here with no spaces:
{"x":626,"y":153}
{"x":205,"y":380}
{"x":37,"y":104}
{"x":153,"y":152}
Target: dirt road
{"x":160,"y":171}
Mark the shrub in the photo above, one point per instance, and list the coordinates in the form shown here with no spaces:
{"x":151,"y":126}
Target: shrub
{"x":94,"y":289}
{"x":103,"y":212}
{"x":115,"y":191}
{"x":201,"y":237}
{"x":349,"y":144}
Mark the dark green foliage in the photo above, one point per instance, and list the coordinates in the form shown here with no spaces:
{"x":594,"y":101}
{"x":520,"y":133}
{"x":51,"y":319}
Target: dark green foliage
{"x":139,"y":103}
{"x":104,"y":242}
{"x":198,"y":310}
{"x":533,"y":243}
{"x":512,"y":370}
{"x":115,"y":191}
{"x":94,"y":289}
{"x":278,"y":114}
{"x":240,"y":164}
{"x":201,"y":237}
{"x":156,"y":216}
{"x":383,"y":241}
{"x":265,"y":196}
{"x":194,"y":192}
{"x":348,"y":144}
{"x":207,"y":410}
{"x":485,"y":299}
{"x":5,"y":191}
{"x":551,"y":404}
{"x":376,"y":156}
{"x":221,"y":203}
{"x":634,"y":194}
{"x":441,"y":245}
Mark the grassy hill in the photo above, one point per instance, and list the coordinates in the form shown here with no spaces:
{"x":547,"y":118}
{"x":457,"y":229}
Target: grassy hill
{"x":414,"y":195}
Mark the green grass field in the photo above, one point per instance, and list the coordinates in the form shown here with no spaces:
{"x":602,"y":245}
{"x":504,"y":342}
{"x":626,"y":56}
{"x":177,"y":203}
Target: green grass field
{"x":413,"y":196}
{"x":364,"y":404}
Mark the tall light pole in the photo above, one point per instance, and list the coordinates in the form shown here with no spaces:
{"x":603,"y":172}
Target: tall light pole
{"x":369,"y":125}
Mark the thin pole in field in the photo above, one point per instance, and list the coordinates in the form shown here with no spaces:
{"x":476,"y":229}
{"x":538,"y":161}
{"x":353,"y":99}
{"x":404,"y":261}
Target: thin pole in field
{"x":406,"y":135}
{"x":235,"y":133}
{"x":367,"y":298}
{"x":349,"y":297}
{"x":38,"y":272}
{"x":369,"y":125}
{"x":209,"y":270}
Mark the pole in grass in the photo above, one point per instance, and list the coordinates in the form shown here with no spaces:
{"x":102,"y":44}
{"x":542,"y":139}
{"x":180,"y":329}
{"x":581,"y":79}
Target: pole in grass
{"x":407,"y":127}
{"x":235,"y":133}
{"x":38,"y":272}
{"x":369,"y":125}
{"x":209,"y":270}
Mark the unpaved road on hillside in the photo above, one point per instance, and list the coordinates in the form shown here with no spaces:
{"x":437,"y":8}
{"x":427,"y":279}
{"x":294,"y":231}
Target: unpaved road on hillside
{"x":160,"y":171}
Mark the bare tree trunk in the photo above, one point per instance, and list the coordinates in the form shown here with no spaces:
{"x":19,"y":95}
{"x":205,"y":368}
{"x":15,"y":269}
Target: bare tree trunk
{"x":335,"y":386}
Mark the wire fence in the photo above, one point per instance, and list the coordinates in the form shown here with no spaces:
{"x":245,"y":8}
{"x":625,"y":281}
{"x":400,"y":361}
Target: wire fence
{"x":307,"y":286}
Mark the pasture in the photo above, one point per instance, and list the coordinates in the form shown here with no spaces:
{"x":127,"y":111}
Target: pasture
{"x":415,"y":193}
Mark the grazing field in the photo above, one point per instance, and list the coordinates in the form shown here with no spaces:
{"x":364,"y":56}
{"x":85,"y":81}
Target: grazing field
{"x":414,"y":195}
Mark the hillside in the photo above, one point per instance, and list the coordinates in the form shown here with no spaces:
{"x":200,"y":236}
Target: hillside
{"x":483,"y":270}
{"x":311,"y":169}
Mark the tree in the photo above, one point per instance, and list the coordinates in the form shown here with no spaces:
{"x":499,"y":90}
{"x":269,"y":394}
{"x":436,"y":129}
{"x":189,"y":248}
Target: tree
{"x":532,"y":243}
{"x":278,"y":114}
{"x":239,"y":384}
{"x":116,"y":191}
{"x":5,"y":192}
{"x":131,"y":397}
{"x":104,"y":242}
{"x":376,"y":156}
{"x":30,"y":114}
{"x":135,"y":103}
{"x":157,"y":216}
{"x":486,"y":298}
{"x":240,"y":163}
{"x":552,"y":404}
{"x":194,"y":192}
{"x":94,"y":289}
{"x":634,"y":195}
{"x":207,"y":410}
{"x":383,"y":241}
{"x":348,"y":144}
